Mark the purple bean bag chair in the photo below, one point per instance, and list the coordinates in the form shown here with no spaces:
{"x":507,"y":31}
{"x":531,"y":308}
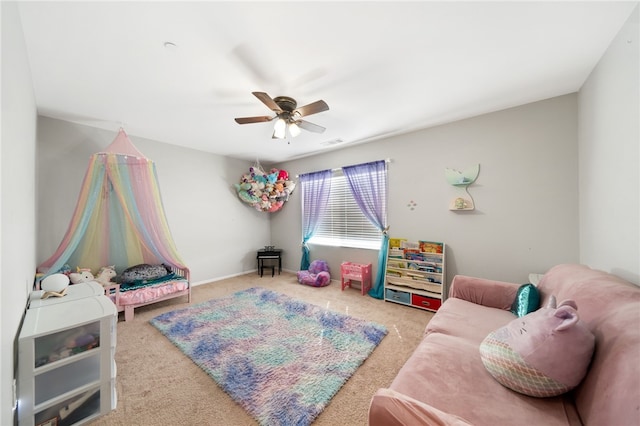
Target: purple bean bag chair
{"x":317,"y":275}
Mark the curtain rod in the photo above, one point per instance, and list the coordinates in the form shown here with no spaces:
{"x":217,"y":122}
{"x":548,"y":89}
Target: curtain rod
{"x":337,"y":169}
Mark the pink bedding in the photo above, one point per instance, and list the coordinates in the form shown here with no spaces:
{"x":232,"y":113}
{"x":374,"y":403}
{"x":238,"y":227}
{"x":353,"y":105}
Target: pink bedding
{"x":148,"y":294}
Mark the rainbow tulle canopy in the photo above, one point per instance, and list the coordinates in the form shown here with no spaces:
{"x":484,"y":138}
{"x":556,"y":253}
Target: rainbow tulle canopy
{"x":119,"y":218}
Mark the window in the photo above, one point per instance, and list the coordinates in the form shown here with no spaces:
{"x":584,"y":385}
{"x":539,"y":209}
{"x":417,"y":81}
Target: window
{"x":343,"y":223}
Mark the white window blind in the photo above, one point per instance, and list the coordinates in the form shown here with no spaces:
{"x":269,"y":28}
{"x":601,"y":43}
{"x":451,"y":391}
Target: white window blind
{"x":343,"y":223}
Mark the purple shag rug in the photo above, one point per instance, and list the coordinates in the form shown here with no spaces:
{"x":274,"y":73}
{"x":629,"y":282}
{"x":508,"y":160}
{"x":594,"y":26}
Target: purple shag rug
{"x":281,"y":359}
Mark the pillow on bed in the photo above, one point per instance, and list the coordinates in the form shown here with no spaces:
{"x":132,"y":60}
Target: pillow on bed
{"x":142,"y":272}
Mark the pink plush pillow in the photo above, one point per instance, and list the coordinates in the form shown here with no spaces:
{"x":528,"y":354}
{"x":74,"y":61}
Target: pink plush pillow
{"x":544,"y":353}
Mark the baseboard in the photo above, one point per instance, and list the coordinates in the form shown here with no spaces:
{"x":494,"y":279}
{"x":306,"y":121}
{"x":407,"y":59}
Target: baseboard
{"x":211,"y":280}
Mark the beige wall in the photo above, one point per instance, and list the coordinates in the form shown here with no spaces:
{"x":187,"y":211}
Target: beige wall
{"x":17,"y":211}
{"x":526,"y":217}
{"x":527,"y":214}
{"x":610,"y":158}
{"x":216,"y":234}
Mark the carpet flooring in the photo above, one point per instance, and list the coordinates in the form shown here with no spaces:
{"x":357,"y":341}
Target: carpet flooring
{"x":280,"y":358}
{"x":158,"y":385}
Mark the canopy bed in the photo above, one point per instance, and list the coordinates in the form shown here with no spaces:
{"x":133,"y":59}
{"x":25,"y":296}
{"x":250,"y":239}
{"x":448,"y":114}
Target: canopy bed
{"x":119,"y":222}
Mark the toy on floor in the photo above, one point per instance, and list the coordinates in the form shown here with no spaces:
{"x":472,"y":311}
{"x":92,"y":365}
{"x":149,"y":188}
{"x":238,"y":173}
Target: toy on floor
{"x":357,"y":272}
{"x":317,"y":275}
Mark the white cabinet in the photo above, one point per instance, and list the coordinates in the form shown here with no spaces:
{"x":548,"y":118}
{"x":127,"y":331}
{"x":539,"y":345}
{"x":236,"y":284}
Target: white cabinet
{"x":415,"y":274}
{"x":66,"y":367}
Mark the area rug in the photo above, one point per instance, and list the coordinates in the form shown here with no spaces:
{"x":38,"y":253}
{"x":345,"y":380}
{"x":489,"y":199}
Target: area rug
{"x":281,"y":359}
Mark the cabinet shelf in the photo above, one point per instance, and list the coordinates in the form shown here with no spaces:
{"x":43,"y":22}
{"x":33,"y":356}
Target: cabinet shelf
{"x":66,"y":372}
{"x":57,"y":400}
{"x":414,"y":285}
{"x":64,"y":361}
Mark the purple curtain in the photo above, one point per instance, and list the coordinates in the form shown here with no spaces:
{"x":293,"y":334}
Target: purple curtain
{"x":368,"y":184}
{"x":316,"y":187}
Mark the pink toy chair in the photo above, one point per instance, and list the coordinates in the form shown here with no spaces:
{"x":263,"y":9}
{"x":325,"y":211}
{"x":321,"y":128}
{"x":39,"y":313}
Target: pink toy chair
{"x":317,"y":275}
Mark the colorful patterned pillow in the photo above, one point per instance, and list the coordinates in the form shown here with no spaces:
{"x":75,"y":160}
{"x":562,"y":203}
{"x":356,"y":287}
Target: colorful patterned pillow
{"x":142,"y":273}
{"x":545,"y":353}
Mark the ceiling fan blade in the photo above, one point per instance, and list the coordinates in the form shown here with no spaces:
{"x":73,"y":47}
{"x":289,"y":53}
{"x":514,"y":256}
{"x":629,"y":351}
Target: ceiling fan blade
{"x":247,"y":120}
{"x":312,"y":108}
{"x":266,"y":99}
{"x":310,"y":126}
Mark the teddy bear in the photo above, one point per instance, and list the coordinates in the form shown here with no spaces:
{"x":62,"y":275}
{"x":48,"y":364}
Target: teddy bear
{"x":544,"y":353}
{"x":283,"y":175}
{"x":265,"y":204}
{"x":273,"y":176}
{"x":289,"y":186}
{"x":279,"y":189}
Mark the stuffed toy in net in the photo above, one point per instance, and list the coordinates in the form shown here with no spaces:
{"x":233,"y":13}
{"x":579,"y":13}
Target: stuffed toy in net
{"x":317,"y":275}
{"x":542,"y":354}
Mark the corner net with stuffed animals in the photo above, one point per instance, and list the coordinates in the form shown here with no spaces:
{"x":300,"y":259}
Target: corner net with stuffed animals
{"x":119,"y":221}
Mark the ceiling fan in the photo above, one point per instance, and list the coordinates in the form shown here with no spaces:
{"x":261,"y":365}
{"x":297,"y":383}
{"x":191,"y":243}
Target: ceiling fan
{"x":288,"y":115}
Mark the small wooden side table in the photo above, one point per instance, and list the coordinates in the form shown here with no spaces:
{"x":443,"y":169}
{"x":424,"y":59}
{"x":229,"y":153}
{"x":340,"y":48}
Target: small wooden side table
{"x":269,"y":255}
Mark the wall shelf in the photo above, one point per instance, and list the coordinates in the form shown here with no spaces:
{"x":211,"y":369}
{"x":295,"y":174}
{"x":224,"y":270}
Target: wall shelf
{"x":462,"y":180}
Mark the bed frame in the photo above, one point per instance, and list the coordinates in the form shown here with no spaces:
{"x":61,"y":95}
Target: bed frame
{"x":114,"y":289}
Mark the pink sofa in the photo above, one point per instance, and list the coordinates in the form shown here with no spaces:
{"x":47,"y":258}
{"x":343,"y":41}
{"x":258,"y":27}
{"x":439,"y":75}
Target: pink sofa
{"x":445,"y":383}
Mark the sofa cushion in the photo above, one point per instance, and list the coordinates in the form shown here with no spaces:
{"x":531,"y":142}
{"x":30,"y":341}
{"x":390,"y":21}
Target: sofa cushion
{"x":470,"y":321}
{"x":527,"y":300}
{"x":446,"y":372}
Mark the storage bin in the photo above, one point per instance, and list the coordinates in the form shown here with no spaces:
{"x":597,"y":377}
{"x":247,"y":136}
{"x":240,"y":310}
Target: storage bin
{"x":425,"y":302}
{"x":398,"y":296}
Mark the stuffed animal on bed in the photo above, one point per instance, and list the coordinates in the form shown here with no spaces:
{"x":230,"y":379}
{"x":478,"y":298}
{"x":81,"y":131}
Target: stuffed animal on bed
{"x":82,"y":276}
{"x":544,"y":353}
{"x":105,"y":274}
{"x":142,"y":272}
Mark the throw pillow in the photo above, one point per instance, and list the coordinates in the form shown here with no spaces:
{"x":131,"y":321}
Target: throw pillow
{"x":526,"y":301}
{"x":142,"y":272}
{"x":544,"y":353}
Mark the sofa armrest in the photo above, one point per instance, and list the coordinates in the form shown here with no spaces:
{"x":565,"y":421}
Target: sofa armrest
{"x":391,"y":408}
{"x":494,"y":294}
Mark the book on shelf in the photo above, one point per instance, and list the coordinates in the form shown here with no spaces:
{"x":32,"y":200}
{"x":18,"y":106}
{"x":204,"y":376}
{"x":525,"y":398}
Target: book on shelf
{"x":410,"y":245}
{"x":430,"y":247}
{"x":395,"y":242}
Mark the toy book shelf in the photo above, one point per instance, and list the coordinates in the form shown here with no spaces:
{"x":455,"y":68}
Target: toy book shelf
{"x":415,"y":274}
{"x":66,"y":367}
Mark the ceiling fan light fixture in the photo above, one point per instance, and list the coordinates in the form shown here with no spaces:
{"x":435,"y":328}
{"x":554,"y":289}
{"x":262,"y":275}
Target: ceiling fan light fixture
{"x":288,"y":114}
{"x":280,"y":128}
{"x":294,"y":129}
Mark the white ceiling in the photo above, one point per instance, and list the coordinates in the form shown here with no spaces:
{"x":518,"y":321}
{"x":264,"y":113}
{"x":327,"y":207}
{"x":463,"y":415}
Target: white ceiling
{"x":384,"y":68}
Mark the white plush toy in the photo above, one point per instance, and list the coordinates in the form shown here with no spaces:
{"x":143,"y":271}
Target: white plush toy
{"x":54,"y":285}
{"x":81,"y":277}
{"x":105,"y":274}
